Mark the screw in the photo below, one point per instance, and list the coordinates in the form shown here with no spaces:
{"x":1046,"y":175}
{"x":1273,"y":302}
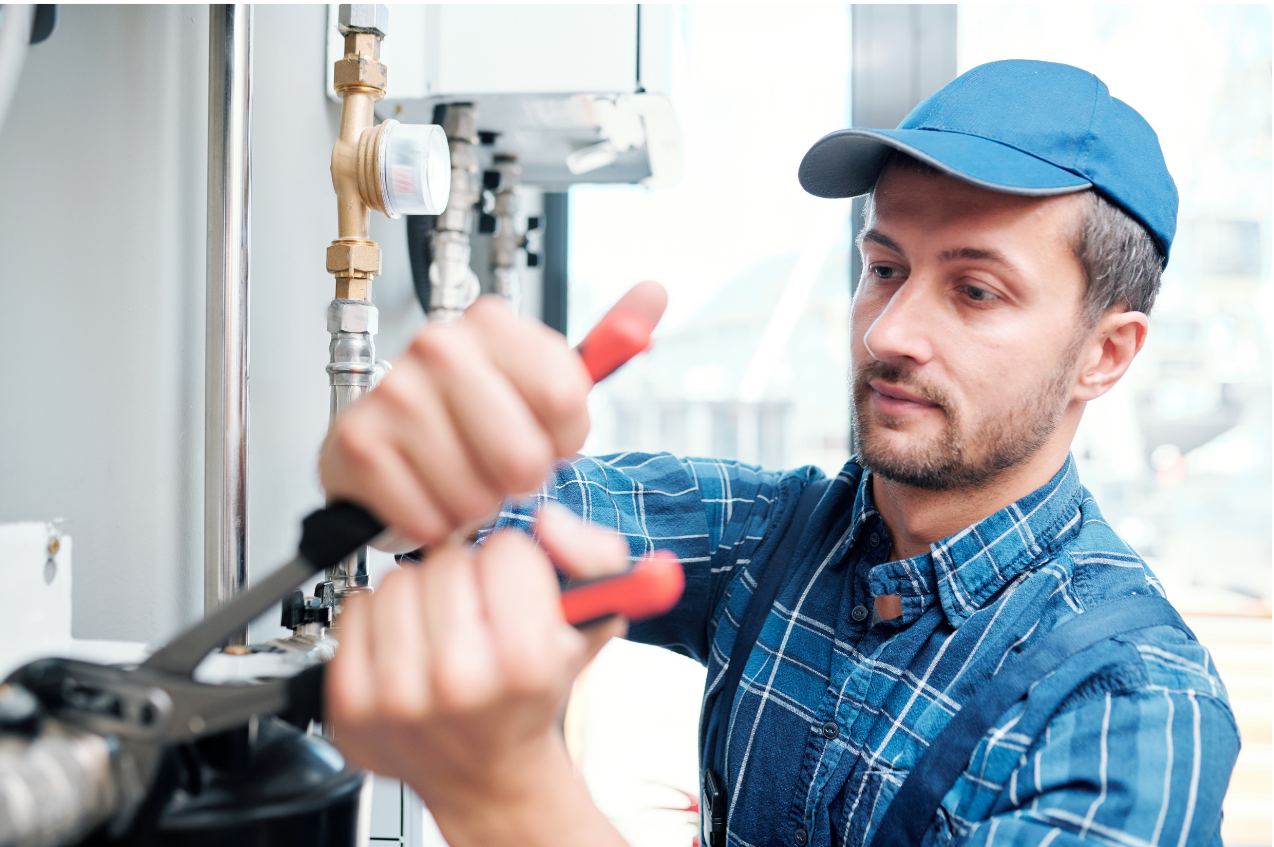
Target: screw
{"x":55,"y":544}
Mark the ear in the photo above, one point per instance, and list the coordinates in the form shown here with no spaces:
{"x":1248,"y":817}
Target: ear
{"x":1110,"y":349}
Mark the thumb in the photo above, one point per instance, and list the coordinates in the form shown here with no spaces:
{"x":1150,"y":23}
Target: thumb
{"x":578,"y":549}
{"x":648,"y":299}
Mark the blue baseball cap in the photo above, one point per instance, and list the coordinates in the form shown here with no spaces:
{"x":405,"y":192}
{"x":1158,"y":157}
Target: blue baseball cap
{"x":1018,"y":126}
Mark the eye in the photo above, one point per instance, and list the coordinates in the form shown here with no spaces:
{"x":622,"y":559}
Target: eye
{"x":978,"y":295}
{"x":883,"y":272}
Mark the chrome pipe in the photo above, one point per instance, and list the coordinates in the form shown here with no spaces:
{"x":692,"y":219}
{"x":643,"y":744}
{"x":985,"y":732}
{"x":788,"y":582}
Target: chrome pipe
{"x":226,"y":341}
{"x":352,"y":371}
{"x":453,"y":285}
{"x":506,"y":242}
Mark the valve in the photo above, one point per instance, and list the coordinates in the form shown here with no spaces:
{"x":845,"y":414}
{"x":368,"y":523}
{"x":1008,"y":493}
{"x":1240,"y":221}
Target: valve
{"x":299,"y":610}
{"x":393,"y":168}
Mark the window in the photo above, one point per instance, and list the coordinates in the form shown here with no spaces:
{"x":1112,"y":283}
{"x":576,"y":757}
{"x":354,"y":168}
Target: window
{"x":752,"y":358}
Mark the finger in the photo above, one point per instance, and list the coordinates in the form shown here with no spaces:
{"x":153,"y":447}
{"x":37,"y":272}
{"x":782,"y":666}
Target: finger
{"x":597,"y":635}
{"x":648,"y":299}
{"x":579,"y":549}
{"x":495,"y":423}
{"x":550,"y":377}
{"x":399,"y":651}
{"x":462,"y":666}
{"x":360,"y":463}
{"x":524,"y":608}
{"x":347,"y":685}
{"x":426,"y":435}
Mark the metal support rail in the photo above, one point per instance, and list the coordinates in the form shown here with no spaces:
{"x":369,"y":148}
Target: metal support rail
{"x":226,"y":363}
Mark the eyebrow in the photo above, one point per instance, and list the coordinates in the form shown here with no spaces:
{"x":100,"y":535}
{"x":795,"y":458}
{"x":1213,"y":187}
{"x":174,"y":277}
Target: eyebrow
{"x":968,"y":253}
{"x":880,"y":238}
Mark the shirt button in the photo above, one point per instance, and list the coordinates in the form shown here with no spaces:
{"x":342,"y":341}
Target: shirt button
{"x":830,"y":730}
{"x":875,"y":539}
{"x":800,"y":837}
{"x":859,"y":613}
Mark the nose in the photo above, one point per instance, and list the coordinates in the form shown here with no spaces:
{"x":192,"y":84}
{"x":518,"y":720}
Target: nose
{"x":902,"y":330}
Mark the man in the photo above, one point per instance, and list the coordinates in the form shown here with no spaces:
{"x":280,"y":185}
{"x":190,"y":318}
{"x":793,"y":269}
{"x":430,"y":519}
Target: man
{"x":1016,"y":228}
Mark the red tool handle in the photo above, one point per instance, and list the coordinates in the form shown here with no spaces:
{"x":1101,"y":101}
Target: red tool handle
{"x":618,"y":336}
{"x":650,"y":588}
{"x":654,"y":584}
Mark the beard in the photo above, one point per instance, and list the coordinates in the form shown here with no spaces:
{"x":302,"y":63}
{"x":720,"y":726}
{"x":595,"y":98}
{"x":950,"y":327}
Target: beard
{"x":960,"y":456}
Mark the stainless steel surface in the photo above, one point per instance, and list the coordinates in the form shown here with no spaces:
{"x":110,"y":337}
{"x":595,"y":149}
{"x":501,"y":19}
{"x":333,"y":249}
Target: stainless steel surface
{"x":312,"y":641}
{"x":507,"y":241}
{"x":15,"y":37}
{"x":352,"y":316}
{"x":543,"y":129}
{"x":226,"y":364}
{"x":183,"y":654}
{"x":55,"y":787}
{"x":135,"y":714}
{"x":351,"y":371}
{"x":452,"y":283}
{"x":363,"y":17}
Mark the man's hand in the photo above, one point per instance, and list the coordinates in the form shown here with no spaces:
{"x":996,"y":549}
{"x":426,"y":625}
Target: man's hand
{"x":453,"y":675}
{"x":471,"y":413}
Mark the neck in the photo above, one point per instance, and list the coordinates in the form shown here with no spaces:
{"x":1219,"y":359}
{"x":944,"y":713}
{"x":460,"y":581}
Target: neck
{"x":918,"y":517}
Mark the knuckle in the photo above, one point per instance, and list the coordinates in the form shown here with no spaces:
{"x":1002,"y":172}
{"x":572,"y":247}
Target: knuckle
{"x":433,"y":346}
{"x":428,"y":527}
{"x":390,"y":586}
{"x":453,"y":689}
{"x":473,"y":503}
{"x":564,"y":399}
{"x":343,"y":708}
{"x":352,"y":445}
{"x":523,"y":467}
{"x":395,"y":394}
{"x":488,"y":308}
{"x":506,"y":545}
{"x":528,"y":673}
{"x":398,"y":707}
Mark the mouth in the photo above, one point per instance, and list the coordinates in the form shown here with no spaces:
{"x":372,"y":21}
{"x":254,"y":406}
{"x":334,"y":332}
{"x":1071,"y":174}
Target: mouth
{"x":895,"y":400}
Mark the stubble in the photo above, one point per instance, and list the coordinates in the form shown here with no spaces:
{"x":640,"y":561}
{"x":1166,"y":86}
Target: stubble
{"x":962,"y":455}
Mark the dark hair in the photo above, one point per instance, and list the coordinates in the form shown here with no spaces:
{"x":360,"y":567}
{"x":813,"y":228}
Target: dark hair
{"x":1121,"y":260}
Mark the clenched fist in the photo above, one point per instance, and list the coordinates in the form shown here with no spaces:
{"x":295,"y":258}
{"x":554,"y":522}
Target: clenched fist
{"x":472,"y":413}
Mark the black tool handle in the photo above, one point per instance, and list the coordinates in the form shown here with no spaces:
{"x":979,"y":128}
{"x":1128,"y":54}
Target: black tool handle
{"x":327,"y":536}
{"x":334,"y":532}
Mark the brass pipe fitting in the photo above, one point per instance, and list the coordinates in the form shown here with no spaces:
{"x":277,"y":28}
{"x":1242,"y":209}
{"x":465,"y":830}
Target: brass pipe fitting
{"x":360,"y":79}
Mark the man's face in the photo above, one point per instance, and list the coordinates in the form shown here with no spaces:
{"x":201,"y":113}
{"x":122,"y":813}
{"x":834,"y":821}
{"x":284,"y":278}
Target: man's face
{"x":966,"y":329}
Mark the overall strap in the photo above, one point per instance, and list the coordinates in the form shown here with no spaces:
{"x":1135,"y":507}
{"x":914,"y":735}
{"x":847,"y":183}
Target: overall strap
{"x":913,"y":808}
{"x":767,"y":588}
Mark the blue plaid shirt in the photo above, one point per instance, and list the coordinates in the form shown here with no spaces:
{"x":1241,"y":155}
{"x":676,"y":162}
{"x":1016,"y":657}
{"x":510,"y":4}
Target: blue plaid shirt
{"x":1131,"y":743}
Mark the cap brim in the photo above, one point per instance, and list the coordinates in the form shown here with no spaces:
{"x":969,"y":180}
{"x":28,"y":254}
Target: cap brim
{"x":847,"y":162}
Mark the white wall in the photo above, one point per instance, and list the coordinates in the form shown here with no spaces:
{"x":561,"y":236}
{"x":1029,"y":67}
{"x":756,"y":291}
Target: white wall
{"x":102,"y":230}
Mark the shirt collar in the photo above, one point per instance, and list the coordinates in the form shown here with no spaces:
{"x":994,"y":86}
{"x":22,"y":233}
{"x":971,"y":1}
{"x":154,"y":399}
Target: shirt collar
{"x":964,"y":570}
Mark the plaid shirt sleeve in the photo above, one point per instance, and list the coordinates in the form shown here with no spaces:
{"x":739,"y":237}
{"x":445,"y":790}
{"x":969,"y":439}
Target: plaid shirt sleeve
{"x":1145,"y":762}
{"x":711,"y":513}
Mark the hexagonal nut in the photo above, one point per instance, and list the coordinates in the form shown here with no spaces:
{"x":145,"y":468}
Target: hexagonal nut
{"x":353,"y":259}
{"x":352,"y":316}
{"x":358,"y":70}
{"x":363,"y":17}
